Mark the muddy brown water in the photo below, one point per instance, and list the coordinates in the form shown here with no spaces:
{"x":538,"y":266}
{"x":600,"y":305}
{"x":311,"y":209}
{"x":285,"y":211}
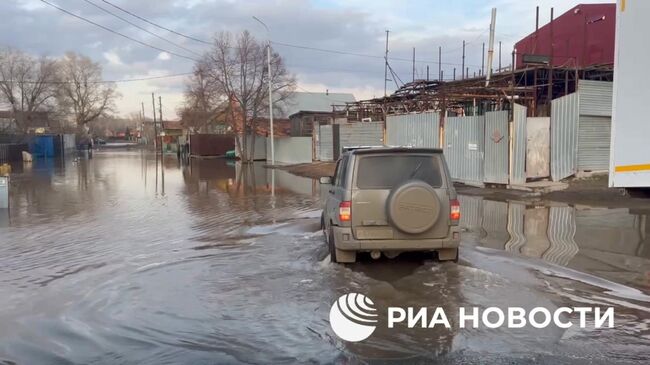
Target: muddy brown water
{"x":110,"y":260}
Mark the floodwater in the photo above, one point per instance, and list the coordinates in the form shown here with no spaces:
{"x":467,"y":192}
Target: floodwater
{"x":115,"y":260}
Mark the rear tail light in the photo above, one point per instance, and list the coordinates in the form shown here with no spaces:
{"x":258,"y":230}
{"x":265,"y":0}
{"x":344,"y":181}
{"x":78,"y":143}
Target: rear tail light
{"x":454,"y":211}
{"x":345,"y":211}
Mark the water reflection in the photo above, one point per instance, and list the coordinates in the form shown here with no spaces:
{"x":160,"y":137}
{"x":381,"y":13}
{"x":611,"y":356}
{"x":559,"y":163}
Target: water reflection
{"x":239,"y":179}
{"x":612,"y":243}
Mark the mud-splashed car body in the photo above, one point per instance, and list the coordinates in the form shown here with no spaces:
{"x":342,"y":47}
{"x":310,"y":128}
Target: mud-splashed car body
{"x":391,"y":200}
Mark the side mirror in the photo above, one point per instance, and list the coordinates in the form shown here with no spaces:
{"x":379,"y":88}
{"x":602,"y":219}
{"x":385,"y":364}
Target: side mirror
{"x":326,"y":180}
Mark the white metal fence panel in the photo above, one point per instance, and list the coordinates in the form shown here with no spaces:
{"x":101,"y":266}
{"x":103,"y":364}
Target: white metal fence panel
{"x":593,"y":143}
{"x":538,"y":142}
{"x":290,"y":150}
{"x":496,"y":147}
{"x":326,"y":148}
{"x":564,"y":136}
{"x":464,"y":148}
{"x":595,"y":98}
{"x":415,"y":130}
{"x":361,"y":134}
{"x":518,"y":172}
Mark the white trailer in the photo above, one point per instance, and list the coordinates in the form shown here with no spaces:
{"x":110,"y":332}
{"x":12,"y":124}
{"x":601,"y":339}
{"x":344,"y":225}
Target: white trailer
{"x":629,"y":164}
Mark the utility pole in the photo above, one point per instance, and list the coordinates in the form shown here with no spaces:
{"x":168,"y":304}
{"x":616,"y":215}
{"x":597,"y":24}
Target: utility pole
{"x":427,"y":72}
{"x":440,"y":63}
{"x":413,"y":64}
{"x":162,"y":126}
{"x":462,"y":69}
{"x":386,"y":64}
{"x":454,"y":78}
{"x":490,"y":47}
{"x":499,"y":56}
{"x":483,"y":61}
{"x":155,"y":125}
{"x":270,"y":75}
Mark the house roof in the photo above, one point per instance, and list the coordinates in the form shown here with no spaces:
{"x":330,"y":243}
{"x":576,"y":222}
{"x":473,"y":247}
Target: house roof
{"x":314,"y":102}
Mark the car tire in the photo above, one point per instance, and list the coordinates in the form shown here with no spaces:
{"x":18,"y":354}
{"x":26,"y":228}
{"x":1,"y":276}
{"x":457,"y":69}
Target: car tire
{"x":332,"y":246}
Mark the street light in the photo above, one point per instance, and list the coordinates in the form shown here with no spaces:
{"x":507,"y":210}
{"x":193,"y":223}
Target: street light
{"x":268,"y":59}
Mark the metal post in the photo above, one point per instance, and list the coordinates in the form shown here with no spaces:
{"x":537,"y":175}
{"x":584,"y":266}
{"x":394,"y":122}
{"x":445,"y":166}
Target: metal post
{"x":162,"y":127}
{"x":427,"y":72}
{"x":155,"y":125}
{"x":270,"y":72}
{"x":490,"y":47}
{"x":386,"y":64}
{"x":440,"y":63}
{"x":499,"y":56}
{"x":462,"y":69}
{"x":454,"y":78}
{"x":268,"y":55}
{"x":413,"y":64}
{"x":483,"y":61}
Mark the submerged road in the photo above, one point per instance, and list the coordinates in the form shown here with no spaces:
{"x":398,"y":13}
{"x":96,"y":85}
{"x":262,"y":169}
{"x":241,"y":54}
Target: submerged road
{"x":117,"y":260}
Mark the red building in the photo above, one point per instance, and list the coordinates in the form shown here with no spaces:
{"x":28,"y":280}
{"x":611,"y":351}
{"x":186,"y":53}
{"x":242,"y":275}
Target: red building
{"x":583,"y":36}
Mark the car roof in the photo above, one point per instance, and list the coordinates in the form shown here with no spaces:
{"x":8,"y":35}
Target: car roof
{"x":390,"y":149}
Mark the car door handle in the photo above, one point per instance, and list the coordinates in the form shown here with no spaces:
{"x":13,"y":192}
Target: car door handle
{"x":331,"y":191}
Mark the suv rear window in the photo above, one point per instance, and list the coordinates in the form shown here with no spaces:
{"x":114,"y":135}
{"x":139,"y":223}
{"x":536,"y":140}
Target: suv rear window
{"x":385,"y":172}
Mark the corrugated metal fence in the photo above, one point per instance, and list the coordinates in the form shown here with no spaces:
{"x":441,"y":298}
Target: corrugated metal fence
{"x":464,"y":148}
{"x":496,"y":147}
{"x":564,"y":133}
{"x":361,"y":134}
{"x":595,"y":98}
{"x":326,"y":141}
{"x":415,"y":130}
{"x":594,"y":125}
{"x":518,"y":171}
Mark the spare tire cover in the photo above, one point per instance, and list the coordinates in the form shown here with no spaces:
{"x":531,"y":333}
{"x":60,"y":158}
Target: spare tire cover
{"x":413,"y":207}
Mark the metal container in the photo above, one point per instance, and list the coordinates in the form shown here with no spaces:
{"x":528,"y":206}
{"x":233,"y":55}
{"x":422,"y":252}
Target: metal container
{"x":4,"y":192}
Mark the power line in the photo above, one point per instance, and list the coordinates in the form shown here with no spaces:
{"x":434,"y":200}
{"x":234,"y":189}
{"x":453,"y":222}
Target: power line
{"x":157,"y":25}
{"x":141,"y":28}
{"x":103,"y":81}
{"x":116,"y":32}
{"x":363,"y":55}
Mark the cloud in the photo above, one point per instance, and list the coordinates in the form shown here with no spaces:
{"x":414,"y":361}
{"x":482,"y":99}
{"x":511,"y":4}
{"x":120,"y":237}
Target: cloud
{"x":164,"y":56}
{"x":113,"y":58}
{"x":354,"y":26}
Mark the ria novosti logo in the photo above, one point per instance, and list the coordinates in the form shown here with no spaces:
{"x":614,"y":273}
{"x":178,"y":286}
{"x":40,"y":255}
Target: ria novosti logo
{"x":353,"y":317}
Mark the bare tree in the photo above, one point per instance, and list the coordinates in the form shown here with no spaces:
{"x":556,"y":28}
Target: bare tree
{"x":82,"y":91}
{"x":202,"y":102}
{"x":27,"y":84}
{"x":235,"y":71}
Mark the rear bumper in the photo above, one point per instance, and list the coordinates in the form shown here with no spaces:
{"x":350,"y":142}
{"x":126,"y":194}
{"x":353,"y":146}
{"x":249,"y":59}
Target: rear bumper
{"x":345,"y":241}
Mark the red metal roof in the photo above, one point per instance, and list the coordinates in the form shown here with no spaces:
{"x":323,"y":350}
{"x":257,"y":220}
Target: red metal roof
{"x":583,"y":35}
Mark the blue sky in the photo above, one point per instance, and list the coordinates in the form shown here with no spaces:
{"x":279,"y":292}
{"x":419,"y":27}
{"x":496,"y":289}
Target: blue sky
{"x":356,"y":26}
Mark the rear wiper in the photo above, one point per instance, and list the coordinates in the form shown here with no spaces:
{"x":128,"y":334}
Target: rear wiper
{"x":415,"y":171}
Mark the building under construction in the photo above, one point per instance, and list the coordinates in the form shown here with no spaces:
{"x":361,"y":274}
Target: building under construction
{"x":549,"y":63}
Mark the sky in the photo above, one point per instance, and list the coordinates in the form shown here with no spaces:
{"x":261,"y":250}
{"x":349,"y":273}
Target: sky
{"x":349,"y":26}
